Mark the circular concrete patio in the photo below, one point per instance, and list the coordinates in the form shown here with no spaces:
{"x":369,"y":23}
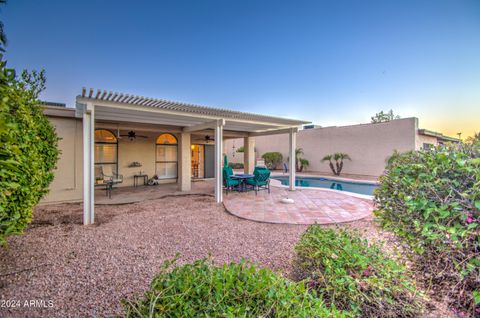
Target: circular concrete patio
{"x":311,"y":206}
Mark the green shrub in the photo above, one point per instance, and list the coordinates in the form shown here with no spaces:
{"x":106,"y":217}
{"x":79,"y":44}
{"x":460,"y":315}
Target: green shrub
{"x":235,"y":290}
{"x":431,"y":200}
{"x":272,"y":159}
{"x":354,"y":276}
{"x":236,"y":165}
{"x":28,"y":151}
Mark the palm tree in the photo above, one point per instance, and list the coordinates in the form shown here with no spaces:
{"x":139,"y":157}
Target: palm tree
{"x":298,"y":153}
{"x":338,"y":157}
{"x":329,"y":159}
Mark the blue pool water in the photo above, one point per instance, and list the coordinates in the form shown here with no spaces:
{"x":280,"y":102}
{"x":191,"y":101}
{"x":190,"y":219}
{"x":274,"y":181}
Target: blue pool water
{"x":356,"y":187}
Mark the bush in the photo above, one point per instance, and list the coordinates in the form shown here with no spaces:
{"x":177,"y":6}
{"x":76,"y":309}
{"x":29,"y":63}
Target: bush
{"x":236,"y":165}
{"x":354,"y":276}
{"x":28,"y":151}
{"x":431,"y":200}
{"x":234,"y":290}
{"x":272,"y":159}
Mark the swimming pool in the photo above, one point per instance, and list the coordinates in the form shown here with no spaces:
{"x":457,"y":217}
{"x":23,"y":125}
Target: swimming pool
{"x":349,"y":186}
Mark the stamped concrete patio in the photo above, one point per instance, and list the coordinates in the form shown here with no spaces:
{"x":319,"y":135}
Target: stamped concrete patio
{"x":310,"y":206}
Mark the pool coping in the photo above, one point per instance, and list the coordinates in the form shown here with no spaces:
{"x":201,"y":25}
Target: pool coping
{"x":278,"y":184}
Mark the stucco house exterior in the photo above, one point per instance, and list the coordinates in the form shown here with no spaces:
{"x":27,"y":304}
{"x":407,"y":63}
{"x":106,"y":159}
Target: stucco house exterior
{"x":368,"y":145}
{"x":129,"y":135}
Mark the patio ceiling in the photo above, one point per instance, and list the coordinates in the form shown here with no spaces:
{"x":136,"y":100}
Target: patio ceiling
{"x":128,"y":108}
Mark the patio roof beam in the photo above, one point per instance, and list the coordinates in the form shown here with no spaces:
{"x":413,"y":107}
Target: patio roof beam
{"x":273,"y":132}
{"x":208,"y":125}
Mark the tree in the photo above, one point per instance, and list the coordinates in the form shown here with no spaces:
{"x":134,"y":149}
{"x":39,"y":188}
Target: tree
{"x":474,"y":140}
{"x":304,"y":163}
{"x":300,"y":163}
{"x":28,"y":147}
{"x":272,"y":159}
{"x":382,"y":117}
{"x":338,"y":157}
{"x":3,"y":36}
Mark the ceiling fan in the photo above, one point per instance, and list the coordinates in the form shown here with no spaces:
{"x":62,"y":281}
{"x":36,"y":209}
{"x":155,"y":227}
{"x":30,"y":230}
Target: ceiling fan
{"x":133,"y":135}
{"x":209,"y":139}
{"x":205,"y":139}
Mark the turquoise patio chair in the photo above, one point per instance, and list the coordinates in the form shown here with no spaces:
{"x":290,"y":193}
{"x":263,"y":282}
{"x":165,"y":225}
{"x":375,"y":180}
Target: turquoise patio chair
{"x":261,"y":179}
{"x":228,"y":182}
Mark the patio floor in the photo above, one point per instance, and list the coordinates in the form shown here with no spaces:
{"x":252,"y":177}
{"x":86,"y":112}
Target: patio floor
{"x":310,"y":206}
{"x":126,"y":195}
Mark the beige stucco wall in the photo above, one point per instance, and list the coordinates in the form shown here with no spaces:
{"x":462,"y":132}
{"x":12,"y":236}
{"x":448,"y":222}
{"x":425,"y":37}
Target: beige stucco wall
{"x":141,"y":150}
{"x":368,"y":145}
{"x":68,"y":182}
{"x":421,"y":139}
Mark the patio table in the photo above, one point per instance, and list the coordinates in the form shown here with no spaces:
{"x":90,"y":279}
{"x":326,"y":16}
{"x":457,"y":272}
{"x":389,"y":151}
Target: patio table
{"x":138,"y":176}
{"x":243,"y":177}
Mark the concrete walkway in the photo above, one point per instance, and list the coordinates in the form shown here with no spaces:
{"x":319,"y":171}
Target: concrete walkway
{"x":310,"y":206}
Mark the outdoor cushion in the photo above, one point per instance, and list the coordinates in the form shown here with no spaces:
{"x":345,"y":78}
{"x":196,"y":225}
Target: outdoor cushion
{"x":227,"y":180}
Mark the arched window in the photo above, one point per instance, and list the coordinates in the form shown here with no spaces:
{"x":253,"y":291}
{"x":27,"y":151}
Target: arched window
{"x":166,"y":157}
{"x":106,"y":153}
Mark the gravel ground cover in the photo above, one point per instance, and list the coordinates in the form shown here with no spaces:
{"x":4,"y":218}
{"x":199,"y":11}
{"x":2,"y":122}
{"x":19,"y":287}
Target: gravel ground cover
{"x":86,"y":271}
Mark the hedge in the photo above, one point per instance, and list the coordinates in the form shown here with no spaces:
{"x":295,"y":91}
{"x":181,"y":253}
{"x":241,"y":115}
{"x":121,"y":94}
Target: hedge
{"x":354,"y":276}
{"x":234,"y":290}
{"x":431,"y":200}
{"x":28,"y":150}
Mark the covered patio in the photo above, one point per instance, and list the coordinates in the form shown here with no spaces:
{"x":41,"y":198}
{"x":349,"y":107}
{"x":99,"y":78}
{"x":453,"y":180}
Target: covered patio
{"x":133,"y":122}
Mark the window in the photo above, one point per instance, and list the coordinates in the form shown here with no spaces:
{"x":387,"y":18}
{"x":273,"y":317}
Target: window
{"x":106,"y":152}
{"x":427,"y":146}
{"x":166,"y":157}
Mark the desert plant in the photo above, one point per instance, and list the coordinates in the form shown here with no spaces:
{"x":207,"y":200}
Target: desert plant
{"x":338,"y":157}
{"x":431,"y":200}
{"x":300,"y":163}
{"x":234,"y":290}
{"x":236,"y":165}
{"x":352,"y":275}
{"x":304,"y":163}
{"x":28,"y":150}
{"x":272,"y":159}
{"x":383,"y":117}
{"x":474,"y":140}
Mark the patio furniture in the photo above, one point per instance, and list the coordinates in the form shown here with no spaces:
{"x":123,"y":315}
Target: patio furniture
{"x":138,"y":176}
{"x":108,"y":187}
{"x":243,"y":177}
{"x":228,"y":182}
{"x":106,"y":173}
{"x":261,"y":179}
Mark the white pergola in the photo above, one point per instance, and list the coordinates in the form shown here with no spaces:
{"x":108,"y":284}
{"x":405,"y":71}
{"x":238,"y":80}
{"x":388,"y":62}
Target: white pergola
{"x":123,"y":108}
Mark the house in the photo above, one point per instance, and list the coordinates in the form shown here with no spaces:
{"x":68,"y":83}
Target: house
{"x":368,"y":145}
{"x":132,"y":135}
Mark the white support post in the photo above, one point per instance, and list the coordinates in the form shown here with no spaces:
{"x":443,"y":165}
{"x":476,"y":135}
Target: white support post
{"x":218,"y":160}
{"x":291,"y":150}
{"x":248,"y":154}
{"x":185,"y":177}
{"x":88,"y":164}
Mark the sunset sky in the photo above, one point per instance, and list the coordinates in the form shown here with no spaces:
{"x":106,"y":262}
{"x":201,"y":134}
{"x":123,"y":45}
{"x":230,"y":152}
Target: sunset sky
{"x":331,"y":62}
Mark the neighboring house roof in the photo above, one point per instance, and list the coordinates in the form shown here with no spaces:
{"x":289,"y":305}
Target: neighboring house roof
{"x":191,"y":109}
{"x":438,"y":135}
